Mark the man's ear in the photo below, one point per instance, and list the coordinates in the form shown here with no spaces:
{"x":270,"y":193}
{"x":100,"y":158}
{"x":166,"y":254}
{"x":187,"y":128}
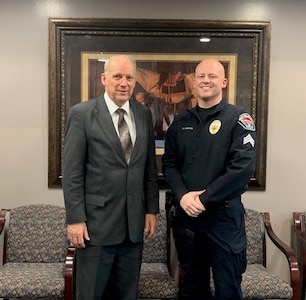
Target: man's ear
{"x":103,"y":78}
{"x":224,"y":82}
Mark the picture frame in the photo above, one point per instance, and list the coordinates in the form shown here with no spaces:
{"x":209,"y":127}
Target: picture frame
{"x":79,"y":47}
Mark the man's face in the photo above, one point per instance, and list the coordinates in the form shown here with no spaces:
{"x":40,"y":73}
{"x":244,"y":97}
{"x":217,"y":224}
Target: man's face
{"x":119,"y":80}
{"x":209,"y":81}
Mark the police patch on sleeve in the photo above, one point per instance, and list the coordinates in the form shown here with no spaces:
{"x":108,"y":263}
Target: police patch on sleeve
{"x":246,"y":121}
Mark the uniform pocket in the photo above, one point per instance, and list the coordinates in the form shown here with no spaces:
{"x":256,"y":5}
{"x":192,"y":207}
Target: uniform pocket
{"x":229,"y":227}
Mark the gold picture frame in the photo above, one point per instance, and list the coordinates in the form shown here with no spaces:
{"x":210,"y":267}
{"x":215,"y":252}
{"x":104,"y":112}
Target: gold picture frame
{"x":73,"y":43}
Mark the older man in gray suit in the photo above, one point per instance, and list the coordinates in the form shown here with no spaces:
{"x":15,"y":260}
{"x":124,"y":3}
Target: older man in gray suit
{"x":111,"y":200}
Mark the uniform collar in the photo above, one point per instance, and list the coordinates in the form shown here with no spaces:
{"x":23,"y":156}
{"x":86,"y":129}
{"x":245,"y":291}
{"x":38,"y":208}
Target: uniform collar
{"x":217,"y":108}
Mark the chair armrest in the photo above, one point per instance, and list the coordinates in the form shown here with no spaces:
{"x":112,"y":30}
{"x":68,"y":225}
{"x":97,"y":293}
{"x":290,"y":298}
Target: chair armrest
{"x":288,"y":252}
{"x":2,"y":219}
{"x":69,"y":273}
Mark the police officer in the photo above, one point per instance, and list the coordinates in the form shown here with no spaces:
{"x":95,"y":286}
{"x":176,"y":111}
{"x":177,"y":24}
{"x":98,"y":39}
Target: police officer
{"x":209,"y":159}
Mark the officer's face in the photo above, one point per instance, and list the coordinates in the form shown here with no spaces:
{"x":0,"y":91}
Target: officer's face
{"x":209,"y":82}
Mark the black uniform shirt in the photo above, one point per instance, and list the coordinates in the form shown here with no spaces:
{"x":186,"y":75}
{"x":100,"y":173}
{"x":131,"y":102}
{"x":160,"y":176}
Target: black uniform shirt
{"x":216,"y":153}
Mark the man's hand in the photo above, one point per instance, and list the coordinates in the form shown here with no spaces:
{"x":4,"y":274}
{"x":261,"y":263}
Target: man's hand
{"x":77,"y":233}
{"x":192,"y":204}
{"x":150,"y":225}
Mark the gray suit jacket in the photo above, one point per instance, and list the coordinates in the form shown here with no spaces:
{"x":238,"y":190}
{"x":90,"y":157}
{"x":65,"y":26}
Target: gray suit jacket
{"x":99,"y":187}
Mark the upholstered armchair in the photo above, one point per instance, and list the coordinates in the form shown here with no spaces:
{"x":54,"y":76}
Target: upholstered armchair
{"x":36,"y":254}
{"x":258,"y":282}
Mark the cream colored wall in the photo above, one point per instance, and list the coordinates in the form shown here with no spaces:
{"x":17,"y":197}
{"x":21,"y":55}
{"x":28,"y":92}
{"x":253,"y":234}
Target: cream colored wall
{"x":24,"y":94}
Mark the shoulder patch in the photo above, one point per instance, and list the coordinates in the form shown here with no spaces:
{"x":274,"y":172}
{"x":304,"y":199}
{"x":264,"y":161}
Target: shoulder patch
{"x":246,"y":121}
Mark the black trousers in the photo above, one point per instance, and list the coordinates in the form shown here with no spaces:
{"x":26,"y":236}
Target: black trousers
{"x":217,"y":243}
{"x":108,"y":272}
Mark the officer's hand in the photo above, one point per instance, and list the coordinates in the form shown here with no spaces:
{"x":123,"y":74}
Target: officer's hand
{"x":192,"y":204}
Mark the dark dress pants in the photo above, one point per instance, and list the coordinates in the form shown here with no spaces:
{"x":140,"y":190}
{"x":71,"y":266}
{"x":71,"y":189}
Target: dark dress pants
{"x":195,"y":277}
{"x":216,"y":243}
{"x":108,"y":272}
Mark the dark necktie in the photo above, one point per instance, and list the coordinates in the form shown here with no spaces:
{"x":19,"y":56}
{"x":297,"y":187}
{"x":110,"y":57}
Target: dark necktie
{"x":124,"y":135}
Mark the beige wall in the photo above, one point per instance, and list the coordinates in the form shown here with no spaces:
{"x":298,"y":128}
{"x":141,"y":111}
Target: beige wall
{"x":24,"y":94}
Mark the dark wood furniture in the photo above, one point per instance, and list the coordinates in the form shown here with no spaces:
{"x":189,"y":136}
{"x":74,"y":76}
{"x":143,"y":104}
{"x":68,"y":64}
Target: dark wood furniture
{"x":298,"y":240}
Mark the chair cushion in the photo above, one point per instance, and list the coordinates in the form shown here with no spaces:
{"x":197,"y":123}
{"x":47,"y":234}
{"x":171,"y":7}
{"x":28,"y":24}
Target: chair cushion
{"x":32,"y":280}
{"x":258,"y":283}
{"x":156,"y":283}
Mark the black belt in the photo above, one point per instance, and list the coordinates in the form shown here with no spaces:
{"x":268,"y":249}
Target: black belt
{"x":227,"y":204}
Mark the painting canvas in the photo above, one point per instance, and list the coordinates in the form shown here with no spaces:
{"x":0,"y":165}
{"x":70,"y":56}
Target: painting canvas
{"x":164,"y":83}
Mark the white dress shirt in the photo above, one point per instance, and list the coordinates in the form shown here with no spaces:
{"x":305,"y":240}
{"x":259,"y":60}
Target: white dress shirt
{"x":128,"y":116}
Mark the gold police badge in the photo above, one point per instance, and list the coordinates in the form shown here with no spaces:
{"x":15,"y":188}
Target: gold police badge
{"x":214,"y":126}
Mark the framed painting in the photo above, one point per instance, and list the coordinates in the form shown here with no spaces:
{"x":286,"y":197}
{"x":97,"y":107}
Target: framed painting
{"x":166,"y":53}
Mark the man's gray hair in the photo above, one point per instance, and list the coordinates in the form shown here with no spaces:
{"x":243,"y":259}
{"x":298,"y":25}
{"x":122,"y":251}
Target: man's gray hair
{"x":128,"y":57}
